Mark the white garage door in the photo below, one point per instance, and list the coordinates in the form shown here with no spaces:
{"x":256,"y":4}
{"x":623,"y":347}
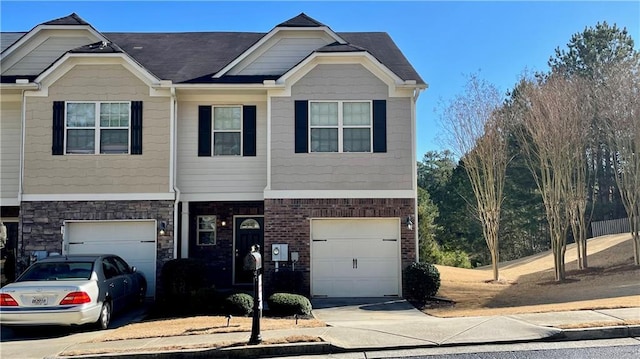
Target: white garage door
{"x":355,"y":257}
{"x":134,"y":241}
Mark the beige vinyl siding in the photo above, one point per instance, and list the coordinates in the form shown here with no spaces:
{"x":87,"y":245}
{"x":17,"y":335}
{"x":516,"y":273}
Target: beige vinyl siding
{"x":115,"y":173}
{"x":282,"y":56}
{"x":219,"y":174}
{"x":10,"y":135}
{"x":45,"y":54}
{"x":341,"y":171}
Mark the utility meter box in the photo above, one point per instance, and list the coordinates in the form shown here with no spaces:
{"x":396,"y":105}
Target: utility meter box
{"x":253,"y":261}
{"x":280,"y":252}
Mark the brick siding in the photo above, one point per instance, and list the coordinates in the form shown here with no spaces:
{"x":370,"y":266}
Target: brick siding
{"x":287,"y":221}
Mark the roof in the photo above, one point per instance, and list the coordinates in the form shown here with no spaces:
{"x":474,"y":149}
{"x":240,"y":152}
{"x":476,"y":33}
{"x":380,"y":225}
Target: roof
{"x":72,"y":19}
{"x":193,"y":57}
{"x":301,"y":20}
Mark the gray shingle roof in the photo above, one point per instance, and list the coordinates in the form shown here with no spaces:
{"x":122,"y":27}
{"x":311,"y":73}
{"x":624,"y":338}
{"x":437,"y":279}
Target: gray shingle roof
{"x":302,"y":20}
{"x":72,"y":19}
{"x":193,"y":57}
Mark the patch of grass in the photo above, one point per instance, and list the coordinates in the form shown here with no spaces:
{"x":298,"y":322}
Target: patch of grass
{"x":201,"y":325}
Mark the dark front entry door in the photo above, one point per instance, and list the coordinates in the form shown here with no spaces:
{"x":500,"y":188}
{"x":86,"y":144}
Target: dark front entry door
{"x":249,"y":231}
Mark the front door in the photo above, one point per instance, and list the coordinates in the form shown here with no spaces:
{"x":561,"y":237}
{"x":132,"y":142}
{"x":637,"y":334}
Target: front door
{"x":249,"y":231}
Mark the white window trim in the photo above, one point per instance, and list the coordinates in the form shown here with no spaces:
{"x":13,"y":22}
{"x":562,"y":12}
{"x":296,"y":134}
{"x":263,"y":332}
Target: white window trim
{"x":96,"y":128}
{"x":213,"y":130}
{"x":340,"y":126}
{"x":214,"y":230}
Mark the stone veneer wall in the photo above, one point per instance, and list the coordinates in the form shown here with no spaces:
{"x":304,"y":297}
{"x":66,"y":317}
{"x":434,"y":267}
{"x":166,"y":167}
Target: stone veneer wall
{"x":287,"y":221}
{"x":40,"y":223}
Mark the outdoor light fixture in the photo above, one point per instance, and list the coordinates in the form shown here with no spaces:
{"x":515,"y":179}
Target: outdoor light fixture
{"x":163,"y":228}
{"x":409,"y":222}
{"x":223,"y":223}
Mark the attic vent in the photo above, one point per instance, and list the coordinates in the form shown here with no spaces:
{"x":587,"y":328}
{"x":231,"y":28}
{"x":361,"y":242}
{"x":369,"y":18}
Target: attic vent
{"x":99,"y":45}
{"x":137,"y":47}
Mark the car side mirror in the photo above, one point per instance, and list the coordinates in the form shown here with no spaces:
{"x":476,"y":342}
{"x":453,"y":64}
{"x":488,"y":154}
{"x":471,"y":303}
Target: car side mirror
{"x":134,"y":269}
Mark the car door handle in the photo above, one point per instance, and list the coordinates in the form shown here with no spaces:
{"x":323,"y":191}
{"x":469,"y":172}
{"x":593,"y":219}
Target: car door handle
{"x":111,"y":285}
{"x":126,"y":281}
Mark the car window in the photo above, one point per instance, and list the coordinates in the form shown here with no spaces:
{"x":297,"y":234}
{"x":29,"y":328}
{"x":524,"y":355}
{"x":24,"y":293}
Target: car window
{"x":57,"y":271}
{"x":121,"y":264}
{"x":110,"y":269}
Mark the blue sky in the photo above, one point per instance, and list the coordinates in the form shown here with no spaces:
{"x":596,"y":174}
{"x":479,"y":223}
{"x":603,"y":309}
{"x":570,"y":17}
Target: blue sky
{"x":445,"y":41}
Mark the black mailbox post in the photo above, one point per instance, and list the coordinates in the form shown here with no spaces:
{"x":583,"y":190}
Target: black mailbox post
{"x":253,"y":262}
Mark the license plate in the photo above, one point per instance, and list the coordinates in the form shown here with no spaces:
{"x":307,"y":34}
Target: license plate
{"x":39,"y":301}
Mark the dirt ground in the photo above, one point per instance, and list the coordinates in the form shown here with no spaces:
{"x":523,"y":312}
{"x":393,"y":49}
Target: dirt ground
{"x":527,"y":285}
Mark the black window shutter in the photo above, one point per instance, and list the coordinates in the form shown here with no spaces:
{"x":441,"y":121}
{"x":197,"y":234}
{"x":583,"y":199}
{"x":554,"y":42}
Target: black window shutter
{"x":379,"y":126}
{"x":301,"y":126}
{"x":204,"y":131}
{"x":249,"y":130}
{"x":57,"y":147}
{"x":136,"y":127}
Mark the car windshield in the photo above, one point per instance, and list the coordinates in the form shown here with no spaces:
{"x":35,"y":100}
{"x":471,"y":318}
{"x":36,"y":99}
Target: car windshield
{"x":58,"y":271}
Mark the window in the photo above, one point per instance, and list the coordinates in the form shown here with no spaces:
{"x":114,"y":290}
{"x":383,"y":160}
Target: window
{"x":227,"y":131}
{"x":206,"y":230}
{"x":97,"y":127}
{"x":250,"y":224}
{"x":340,"y":126}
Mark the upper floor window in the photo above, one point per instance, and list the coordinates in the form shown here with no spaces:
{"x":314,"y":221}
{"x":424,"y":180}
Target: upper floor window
{"x":97,"y":127}
{"x":227,"y":131}
{"x":340,"y":126}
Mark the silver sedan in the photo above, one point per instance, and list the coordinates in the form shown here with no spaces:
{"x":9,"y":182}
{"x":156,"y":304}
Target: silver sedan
{"x":72,"y":290}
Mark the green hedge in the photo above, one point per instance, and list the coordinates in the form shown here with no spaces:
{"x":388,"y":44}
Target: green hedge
{"x":285,"y":304}
{"x":421,"y":281}
{"x":239,"y":304}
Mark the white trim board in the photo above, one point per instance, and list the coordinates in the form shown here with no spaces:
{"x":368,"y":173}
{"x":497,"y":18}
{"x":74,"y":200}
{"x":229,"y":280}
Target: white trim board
{"x":99,"y":197}
{"x":274,"y":194}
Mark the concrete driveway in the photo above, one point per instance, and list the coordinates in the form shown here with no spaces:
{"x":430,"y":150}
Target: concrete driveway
{"x":47,"y":341}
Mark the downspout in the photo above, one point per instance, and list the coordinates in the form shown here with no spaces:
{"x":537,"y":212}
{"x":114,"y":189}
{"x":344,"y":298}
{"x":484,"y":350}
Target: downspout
{"x":23,"y":126}
{"x":414,"y":122}
{"x":172,"y":165}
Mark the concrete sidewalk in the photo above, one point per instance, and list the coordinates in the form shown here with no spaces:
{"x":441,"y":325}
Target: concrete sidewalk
{"x":374,"y":324}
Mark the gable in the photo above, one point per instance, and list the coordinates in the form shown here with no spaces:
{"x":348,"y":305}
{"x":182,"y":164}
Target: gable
{"x":38,"y":52}
{"x":280,"y":57}
{"x":288,"y":45}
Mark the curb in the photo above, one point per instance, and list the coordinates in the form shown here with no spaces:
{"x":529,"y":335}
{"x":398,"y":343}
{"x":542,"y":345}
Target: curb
{"x":260,"y":351}
{"x":621,"y":331}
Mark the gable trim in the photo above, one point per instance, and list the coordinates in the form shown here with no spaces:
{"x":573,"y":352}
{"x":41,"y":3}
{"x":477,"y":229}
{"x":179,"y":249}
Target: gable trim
{"x":397,"y":86}
{"x":258,"y":47}
{"x":23,"y":44}
{"x":68,"y":61}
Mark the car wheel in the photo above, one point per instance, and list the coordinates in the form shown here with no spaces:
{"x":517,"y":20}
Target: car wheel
{"x":105,"y":316}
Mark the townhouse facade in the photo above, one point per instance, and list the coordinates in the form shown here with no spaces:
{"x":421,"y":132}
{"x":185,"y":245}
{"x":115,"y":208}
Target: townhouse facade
{"x":157,"y":146}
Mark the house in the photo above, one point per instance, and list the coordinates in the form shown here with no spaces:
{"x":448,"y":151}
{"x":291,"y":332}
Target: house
{"x":157,"y":146}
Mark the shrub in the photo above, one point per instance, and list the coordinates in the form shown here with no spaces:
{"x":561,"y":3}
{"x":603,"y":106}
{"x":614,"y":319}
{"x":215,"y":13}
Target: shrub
{"x":239,"y":304}
{"x":207,"y":301}
{"x":421,"y":281}
{"x":287,"y":281}
{"x":181,"y":280}
{"x":284,"y":304}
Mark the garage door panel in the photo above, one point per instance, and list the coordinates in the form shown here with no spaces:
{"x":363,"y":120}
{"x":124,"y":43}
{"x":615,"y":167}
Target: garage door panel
{"x":134,"y":241}
{"x":355,"y":257}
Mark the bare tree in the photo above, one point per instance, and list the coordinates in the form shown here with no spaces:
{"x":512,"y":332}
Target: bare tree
{"x":620,"y":97}
{"x":474,"y":131}
{"x":552,"y":135}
